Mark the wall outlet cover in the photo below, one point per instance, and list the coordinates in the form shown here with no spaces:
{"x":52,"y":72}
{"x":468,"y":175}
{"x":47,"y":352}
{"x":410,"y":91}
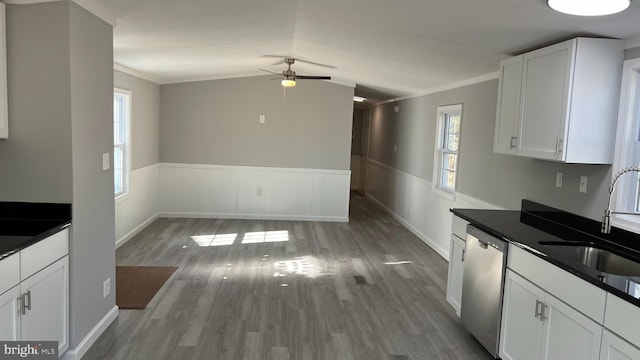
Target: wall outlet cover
{"x":583,"y":184}
{"x":559,"y":179}
{"x":106,"y":288}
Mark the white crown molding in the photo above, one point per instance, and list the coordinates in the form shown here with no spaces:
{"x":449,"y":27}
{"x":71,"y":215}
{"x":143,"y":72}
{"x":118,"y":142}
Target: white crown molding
{"x":456,"y":85}
{"x":92,"y":6}
{"x":136,"y":73}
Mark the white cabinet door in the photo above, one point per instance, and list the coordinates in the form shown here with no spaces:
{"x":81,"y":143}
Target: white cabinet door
{"x":9,"y":317}
{"x":614,"y":348}
{"x":545,"y":95}
{"x":521,"y":331}
{"x":569,"y":334}
{"x":456,"y":271}
{"x":508,"y":110}
{"x":47,"y":305}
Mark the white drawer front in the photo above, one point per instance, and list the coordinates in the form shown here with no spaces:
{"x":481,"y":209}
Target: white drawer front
{"x":39,"y":255}
{"x":622,"y":318}
{"x":9,"y":272}
{"x":459,"y":227}
{"x":583,"y":296}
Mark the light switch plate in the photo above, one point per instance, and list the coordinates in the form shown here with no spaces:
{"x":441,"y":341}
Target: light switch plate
{"x":583,"y":184}
{"x":106,"y":162}
{"x":262,"y":119}
{"x":559,"y":179}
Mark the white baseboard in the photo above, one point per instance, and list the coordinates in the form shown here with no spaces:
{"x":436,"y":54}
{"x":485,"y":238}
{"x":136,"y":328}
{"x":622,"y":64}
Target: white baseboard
{"x":427,"y":240}
{"x":253,"y":216}
{"x":78,"y":352}
{"x":136,"y":230}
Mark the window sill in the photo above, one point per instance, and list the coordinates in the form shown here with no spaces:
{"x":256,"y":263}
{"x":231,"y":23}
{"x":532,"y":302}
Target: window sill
{"x":449,"y":195}
{"x":626,"y":222}
{"x":122,"y":197}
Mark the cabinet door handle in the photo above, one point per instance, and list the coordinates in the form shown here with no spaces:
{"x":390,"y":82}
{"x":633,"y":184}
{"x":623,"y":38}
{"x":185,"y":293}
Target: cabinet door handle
{"x":538,"y":310}
{"x":26,"y":302}
{"x":513,"y":141}
{"x":463,"y":252}
{"x":559,"y":145}
{"x":21,"y":309}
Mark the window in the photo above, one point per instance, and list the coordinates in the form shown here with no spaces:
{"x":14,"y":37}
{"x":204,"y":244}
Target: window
{"x":447,"y":144}
{"x":121,"y":120}
{"x":626,"y":197}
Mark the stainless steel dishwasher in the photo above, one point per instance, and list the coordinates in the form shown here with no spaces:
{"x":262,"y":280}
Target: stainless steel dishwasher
{"x":483,"y":286}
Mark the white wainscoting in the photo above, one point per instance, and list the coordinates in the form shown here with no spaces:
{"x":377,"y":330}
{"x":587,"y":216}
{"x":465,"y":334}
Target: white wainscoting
{"x":140,"y":206}
{"x":412,"y":201}
{"x":247,"y":192}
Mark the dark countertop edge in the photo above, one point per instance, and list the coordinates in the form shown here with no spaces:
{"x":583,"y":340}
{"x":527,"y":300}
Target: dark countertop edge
{"x":37,"y":238}
{"x":604,"y":286}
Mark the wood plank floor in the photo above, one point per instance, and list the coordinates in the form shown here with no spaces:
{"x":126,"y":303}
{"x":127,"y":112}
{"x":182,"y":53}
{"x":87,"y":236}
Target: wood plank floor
{"x":298,"y":299}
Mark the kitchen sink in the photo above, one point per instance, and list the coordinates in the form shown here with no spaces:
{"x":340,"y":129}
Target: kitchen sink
{"x":598,"y":257}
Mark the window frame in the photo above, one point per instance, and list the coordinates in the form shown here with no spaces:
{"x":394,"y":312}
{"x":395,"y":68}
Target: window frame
{"x":126,"y":146}
{"x":627,"y":149}
{"x":439,"y":152}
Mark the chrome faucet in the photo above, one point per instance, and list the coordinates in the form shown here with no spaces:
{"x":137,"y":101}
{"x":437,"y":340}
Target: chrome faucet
{"x":606,"y":219}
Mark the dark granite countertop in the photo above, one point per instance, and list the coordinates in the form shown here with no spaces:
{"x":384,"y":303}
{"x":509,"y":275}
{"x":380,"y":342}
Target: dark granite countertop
{"x":24,"y":224}
{"x":539,"y":229}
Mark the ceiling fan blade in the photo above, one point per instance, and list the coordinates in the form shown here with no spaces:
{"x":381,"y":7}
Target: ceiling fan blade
{"x":270,"y":72}
{"x":282,"y":57}
{"x":311,"y":77}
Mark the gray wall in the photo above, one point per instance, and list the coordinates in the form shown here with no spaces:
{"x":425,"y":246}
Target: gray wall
{"x":60,"y":73}
{"x":632,"y":53}
{"x":216,"y":122}
{"x":93,"y":232}
{"x":145,"y":118}
{"x":35,"y":162}
{"x":356,"y":137}
{"x":498,"y":179}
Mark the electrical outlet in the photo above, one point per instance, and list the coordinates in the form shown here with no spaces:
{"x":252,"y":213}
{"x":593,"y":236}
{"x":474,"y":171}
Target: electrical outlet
{"x":106,"y":288}
{"x":559,"y":179}
{"x":583,"y":184}
{"x":262,"y":119}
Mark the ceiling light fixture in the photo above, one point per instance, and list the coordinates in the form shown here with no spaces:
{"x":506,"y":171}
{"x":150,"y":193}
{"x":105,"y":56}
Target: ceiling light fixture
{"x":589,"y":7}
{"x":359,"y":99}
{"x":288,"y":82}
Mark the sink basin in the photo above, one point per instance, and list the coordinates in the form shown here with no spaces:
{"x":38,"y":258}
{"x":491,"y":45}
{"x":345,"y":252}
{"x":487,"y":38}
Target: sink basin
{"x":595,"y":256}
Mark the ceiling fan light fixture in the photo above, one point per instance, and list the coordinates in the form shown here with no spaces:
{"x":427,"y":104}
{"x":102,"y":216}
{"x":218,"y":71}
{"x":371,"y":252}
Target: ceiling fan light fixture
{"x":589,"y":7}
{"x":288,"y":83}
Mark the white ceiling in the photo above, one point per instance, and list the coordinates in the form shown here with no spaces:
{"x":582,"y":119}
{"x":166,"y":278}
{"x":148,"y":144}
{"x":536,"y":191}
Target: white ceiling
{"x":387,"y":47}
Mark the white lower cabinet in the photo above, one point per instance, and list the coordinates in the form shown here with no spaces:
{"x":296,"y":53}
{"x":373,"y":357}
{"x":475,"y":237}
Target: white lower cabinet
{"x":537,"y":325}
{"x":46,"y":305}
{"x":615,"y":348}
{"x":9,"y":318}
{"x":36,"y":307}
{"x":456,"y":271}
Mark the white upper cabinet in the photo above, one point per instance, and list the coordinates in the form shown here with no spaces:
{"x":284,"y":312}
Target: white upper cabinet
{"x":566,"y":101}
{"x":508,"y":106}
{"x":4,"y":122}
